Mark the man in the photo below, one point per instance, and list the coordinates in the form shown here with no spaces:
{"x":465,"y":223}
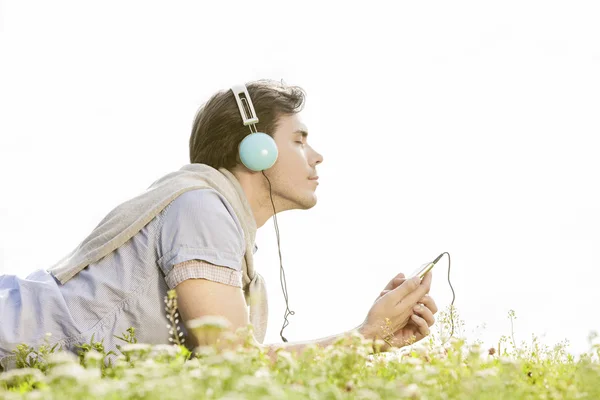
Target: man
{"x":199,"y":241}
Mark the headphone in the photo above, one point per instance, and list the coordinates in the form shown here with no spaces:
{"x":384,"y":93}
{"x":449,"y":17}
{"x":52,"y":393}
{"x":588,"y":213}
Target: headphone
{"x":258,"y":152}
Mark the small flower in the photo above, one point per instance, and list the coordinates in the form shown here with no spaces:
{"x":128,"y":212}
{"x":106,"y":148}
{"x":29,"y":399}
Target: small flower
{"x":431,"y":370}
{"x":349,"y":386}
{"x":507,"y":360}
{"x":62,"y":357}
{"x":93,"y":355}
{"x":487,"y":373}
{"x":367,"y":394}
{"x":135,"y":347}
{"x":93,"y":359}
{"x":165,"y":349}
{"x":74,"y":372}
{"x":474,"y":349}
{"x":204,"y":351}
{"x":136,"y":350}
{"x":413,"y":361}
{"x":412,"y":391}
{"x":17,"y":376}
{"x":378,"y":345}
{"x":262,"y":373}
{"x":208,"y":329}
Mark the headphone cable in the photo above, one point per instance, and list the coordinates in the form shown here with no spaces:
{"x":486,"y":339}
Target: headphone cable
{"x":281,"y":271}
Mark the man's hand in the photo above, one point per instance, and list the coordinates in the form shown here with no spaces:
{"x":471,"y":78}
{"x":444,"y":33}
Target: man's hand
{"x":418,"y":326}
{"x":393,"y":284}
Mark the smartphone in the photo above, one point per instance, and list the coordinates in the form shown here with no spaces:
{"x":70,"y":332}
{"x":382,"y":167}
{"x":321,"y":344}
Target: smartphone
{"x":425,"y":268}
{"x":422,"y":270}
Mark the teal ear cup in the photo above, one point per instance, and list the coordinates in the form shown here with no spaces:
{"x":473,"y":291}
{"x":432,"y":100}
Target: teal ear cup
{"x":258,"y":151}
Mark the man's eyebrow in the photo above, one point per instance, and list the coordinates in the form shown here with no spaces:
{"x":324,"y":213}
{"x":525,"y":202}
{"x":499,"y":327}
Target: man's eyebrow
{"x":303,"y":132}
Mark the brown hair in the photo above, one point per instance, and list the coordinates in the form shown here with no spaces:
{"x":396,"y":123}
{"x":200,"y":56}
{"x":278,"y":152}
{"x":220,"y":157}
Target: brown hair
{"x":218,"y":128}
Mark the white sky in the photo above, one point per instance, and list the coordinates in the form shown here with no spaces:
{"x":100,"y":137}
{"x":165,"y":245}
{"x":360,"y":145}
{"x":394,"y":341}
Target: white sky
{"x":463,"y":127}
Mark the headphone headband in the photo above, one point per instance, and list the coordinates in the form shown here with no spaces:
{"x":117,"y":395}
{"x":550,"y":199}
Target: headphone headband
{"x":240,"y":92}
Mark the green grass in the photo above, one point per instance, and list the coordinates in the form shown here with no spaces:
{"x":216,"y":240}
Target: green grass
{"x":435,"y":368}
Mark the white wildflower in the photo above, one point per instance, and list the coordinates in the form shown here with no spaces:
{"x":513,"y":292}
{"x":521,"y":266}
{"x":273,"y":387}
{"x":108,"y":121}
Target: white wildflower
{"x":507,"y":360}
{"x":245,"y":382}
{"x":367,"y":394}
{"x":230,"y":356}
{"x":431,"y":370}
{"x":487,"y":372}
{"x":208,"y":329}
{"x":167,"y":349}
{"x":94,"y":355}
{"x":453,"y":373}
{"x":21,"y":373}
{"x":149,"y":364}
{"x":135,"y":347}
{"x":34,"y":395}
{"x":121,"y":363}
{"x":475,"y":348}
{"x":232,"y":396}
{"x":208,"y":321}
{"x":205,"y":351}
{"x":74,"y":371}
{"x":411,"y":391}
{"x":62,"y":357}
{"x":418,"y":376}
{"x":412,"y":360}
{"x":103,"y":388}
{"x":132,"y":372}
{"x":195,"y":373}
{"x":192,"y":363}
{"x":262,"y":373}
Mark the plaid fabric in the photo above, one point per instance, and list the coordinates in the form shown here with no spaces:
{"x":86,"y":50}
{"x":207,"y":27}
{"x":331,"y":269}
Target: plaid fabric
{"x":195,"y":269}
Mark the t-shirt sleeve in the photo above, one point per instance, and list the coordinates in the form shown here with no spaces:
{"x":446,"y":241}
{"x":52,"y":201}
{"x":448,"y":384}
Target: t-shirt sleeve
{"x":196,"y":269}
{"x":200,"y":225}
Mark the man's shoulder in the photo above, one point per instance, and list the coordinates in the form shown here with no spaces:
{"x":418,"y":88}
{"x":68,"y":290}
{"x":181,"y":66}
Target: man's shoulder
{"x":200,"y":199}
{"x":204,"y":205}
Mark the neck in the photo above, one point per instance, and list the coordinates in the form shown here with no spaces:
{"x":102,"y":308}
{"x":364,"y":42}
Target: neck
{"x":256,"y":189}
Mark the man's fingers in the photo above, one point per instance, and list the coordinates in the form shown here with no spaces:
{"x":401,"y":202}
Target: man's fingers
{"x":428,"y":302}
{"x":411,"y":298}
{"x":408,"y":287}
{"x":421,"y":324}
{"x":395,"y":282}
{"x":427,"y":281}
{"x":398,"y":280}
{"x":424,"y":313}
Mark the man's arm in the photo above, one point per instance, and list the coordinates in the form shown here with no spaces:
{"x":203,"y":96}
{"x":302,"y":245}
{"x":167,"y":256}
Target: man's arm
{"x":200,"y":297}
{"x":299,"y":347}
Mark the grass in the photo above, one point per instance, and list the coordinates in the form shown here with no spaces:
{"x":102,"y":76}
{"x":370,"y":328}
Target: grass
{"x":438,"y":367}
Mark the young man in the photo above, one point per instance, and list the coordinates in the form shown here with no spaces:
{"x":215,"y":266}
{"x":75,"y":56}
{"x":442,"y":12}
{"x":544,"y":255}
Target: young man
{"x":193,"y":231}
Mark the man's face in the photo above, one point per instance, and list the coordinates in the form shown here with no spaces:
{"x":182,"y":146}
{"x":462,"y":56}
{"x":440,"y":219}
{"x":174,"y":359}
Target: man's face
{"x":296,"y":163}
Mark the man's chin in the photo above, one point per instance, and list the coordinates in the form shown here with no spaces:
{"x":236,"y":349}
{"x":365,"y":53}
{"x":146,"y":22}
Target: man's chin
{"x":304,"y":203}
{"x":310,"y":202}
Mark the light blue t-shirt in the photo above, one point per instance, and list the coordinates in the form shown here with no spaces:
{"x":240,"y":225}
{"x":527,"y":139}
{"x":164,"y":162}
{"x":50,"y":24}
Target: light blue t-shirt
{"x":128,"y":286}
